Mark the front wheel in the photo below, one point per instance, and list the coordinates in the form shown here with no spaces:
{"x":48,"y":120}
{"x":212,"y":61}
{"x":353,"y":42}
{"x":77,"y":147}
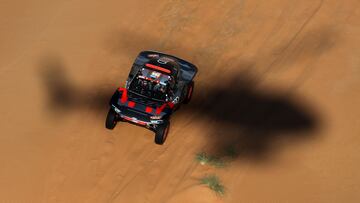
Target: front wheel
{"x":111,"y":119}
{"x":161,"y":133}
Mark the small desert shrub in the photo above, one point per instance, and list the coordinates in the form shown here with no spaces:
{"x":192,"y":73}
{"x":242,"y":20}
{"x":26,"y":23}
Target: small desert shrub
{"x":203,"y":159}
{"x":213,"y":182}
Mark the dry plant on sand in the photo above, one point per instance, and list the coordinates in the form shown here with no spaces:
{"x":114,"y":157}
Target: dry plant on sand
{"x":204,"y":159}
{"x":230,"y":153}
{"x":213,"y":182}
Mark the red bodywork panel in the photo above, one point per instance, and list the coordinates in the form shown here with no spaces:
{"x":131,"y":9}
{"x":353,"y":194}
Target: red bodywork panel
{"x":148,"y":109}
{"x":124,"y":97}
{"x":131,"y":104}
{"x":162,"y":107}
{"x":158,"y":68}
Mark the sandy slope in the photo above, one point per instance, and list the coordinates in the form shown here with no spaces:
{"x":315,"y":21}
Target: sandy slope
{"x":291,"y":68}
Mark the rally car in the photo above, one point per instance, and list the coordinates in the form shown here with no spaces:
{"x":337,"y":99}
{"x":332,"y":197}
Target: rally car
{"x":157,"y":85}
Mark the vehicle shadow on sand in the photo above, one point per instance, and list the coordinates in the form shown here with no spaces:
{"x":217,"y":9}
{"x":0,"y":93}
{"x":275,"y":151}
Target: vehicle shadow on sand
{"x":64,"y":95}
{"x":247,"y":123}
{"x":252,"y":122}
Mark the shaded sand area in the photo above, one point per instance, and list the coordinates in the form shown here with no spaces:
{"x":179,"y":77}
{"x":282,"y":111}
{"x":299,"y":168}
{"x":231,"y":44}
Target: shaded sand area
{"x":278,"y":83}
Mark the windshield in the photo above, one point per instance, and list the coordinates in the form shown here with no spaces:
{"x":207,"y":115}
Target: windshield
{"x":152,"y":84}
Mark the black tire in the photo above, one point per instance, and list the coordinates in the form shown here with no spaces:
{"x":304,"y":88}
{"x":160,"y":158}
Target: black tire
{"x":189,"y":92}
{"x":161,"y":133}
{"x":111,"y":120}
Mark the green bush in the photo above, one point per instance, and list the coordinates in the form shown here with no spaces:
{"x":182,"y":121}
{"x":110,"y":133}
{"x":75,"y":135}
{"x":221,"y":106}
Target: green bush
{"x":213,"y":182}
{"x":203,"y":159}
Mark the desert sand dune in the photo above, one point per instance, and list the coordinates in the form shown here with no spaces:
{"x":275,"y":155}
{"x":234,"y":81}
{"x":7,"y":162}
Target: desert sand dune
{"x":278,"y":84}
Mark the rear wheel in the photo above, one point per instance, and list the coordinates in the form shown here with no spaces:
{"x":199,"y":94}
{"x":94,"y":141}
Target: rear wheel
{"x":161,"y":133}
{"x":111,"y":119}
{"x":189,"y":92}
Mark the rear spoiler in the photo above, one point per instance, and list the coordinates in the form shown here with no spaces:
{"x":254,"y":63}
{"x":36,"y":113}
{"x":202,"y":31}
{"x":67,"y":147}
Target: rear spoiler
{"x":187,"y":69}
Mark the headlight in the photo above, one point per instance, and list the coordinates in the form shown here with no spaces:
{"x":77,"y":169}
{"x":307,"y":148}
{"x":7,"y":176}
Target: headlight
{"x":155,"y":117}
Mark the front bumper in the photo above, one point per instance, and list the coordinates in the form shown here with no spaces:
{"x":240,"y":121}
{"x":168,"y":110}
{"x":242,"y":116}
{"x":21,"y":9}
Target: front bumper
{"x":140,"y":120}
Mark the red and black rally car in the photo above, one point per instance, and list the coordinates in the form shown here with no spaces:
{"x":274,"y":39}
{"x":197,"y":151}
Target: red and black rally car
{"x":157,"y":85}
